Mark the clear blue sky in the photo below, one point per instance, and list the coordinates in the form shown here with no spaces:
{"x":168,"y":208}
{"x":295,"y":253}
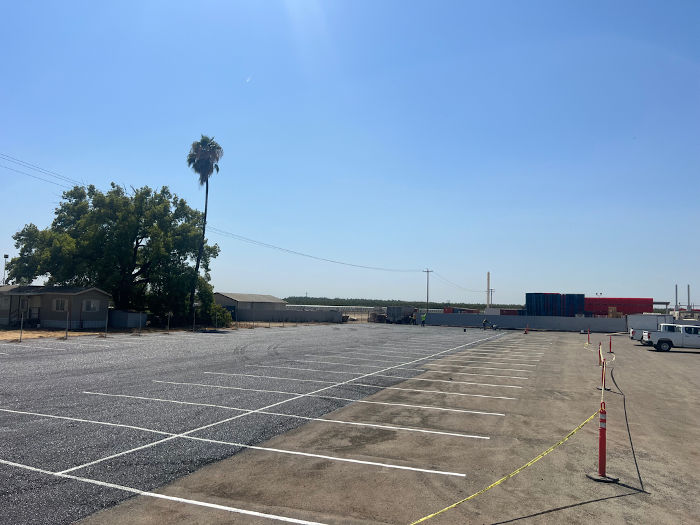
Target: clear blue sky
{"x":555,"y":144}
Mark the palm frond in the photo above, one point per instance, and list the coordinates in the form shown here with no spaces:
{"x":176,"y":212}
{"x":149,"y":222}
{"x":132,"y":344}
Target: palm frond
{"x":204,"y":156}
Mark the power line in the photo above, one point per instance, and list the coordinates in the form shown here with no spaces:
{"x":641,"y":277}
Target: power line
{"x":34,"y":167}
{"x":455,"y":284}
{"x":294,"y":252}
{"x":35,"y":177}
{"x":211,"y":228}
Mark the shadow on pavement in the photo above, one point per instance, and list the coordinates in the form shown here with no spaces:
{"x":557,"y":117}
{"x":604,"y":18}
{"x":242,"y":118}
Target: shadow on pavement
{"x":574,"y":505}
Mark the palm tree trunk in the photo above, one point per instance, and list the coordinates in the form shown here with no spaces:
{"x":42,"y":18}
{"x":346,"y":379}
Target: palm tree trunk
{"x":201,"y":246}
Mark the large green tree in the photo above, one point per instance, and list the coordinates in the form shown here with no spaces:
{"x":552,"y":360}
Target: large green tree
{"x":138,"y":245}
{"x":203,"y":158}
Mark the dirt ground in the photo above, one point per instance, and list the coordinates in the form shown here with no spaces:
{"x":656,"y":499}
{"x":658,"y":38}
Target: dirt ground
{"x":39,"y":333}
{"x":13,"y":335}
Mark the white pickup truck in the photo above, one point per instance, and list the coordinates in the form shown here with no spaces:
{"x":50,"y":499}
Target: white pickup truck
{"x":673,"y":335}
{"x":637,"y":323}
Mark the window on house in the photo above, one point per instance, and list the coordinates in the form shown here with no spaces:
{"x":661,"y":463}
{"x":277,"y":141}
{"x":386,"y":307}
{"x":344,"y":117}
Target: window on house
{"x":59,"y":305}
{"x":4,"y":303}
{"x":91,"y":305}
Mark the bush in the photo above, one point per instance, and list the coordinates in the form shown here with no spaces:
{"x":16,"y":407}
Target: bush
{"x":220,"y":315}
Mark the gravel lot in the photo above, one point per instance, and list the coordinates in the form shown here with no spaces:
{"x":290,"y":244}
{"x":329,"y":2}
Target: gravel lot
{"x":343,"y":425}
{"x":54,"y":394}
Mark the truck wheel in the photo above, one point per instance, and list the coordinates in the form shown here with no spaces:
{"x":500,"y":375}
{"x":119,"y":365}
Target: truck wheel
{"x":665,"y":346}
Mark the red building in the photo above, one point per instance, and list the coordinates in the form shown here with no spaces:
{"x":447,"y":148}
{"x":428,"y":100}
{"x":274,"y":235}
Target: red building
{"x":623,"y":305}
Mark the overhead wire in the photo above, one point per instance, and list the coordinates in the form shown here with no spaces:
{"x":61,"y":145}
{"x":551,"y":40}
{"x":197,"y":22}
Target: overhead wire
{"x":294,"y":252}
{"x":35,"y":176}
{"x":63,"y":179}
{"x":29,"y":165}
{"x":442,"y":278}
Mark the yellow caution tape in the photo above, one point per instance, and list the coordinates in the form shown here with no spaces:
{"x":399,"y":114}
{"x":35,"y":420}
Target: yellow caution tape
{"x":504,"y":478}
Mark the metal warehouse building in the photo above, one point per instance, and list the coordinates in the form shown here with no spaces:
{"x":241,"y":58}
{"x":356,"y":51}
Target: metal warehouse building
{"x":250,"y":306}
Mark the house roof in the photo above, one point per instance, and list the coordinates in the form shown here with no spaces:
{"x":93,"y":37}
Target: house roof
{"x":14,"y":289}
{"x":252,"y":298}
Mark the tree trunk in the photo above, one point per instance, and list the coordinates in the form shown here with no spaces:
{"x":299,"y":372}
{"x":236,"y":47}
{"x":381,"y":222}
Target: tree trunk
{"x":201,"y":247}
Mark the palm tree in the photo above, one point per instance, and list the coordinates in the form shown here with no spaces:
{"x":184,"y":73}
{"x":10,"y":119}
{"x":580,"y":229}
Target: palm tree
{"x":203,"y":158}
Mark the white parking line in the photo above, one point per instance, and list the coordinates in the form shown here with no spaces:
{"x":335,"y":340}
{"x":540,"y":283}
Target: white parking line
{"x":160,"y":496}
{"x":294,"y":416}
{"x":472,"y":357}
{"x":305,"y":369}
{"x":279,"y":403}
{"x":368,"y":354}
{"x":412,"y":369}
{"x":469,"y":374}
{"x":477,"y":351}
{"x":371,"y":351}
{"x":481,"y":367}
{"x":365,"y":385}
{"x":449,"y":381}
{"x":355,"y":365}
{"x":84,"y":421}
{"x":335,"y":356}
{"x":268,"y":377}
{"x":243,"y":445}
{"x":299,"y":394}
{"x":473,"y":360}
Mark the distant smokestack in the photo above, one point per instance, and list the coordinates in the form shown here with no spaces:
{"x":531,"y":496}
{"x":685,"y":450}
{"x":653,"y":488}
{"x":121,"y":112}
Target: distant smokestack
{"x":688,"y":297}
{"x":488,"y":289}
{"x":676,"y":307}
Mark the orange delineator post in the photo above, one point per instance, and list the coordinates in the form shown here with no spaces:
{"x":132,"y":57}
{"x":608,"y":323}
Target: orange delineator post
{"x":602,"y":375}
{"x":610,"y":349}
{"x":602,"y":452}
{"x":589,"y":336}
{"x":600,"y":354}
{"x":601,"y":476}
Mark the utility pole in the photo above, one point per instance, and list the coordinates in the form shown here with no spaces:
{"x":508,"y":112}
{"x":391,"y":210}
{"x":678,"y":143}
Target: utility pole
{"x":4,"y":268}
{"x":488,"y":289}
{"x":427,"y":289}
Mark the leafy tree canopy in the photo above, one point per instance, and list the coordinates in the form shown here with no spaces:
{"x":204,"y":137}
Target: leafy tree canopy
{"x":137,"y":245}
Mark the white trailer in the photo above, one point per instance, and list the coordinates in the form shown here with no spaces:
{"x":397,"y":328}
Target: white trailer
{"x":637,"y":323}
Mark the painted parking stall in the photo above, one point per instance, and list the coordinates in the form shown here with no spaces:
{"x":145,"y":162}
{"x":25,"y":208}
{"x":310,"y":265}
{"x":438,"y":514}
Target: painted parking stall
{"x":172,"y":404}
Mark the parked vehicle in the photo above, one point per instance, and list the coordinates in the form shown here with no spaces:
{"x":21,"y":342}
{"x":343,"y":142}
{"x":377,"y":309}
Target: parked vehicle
{"x":637,"y":323}
{"x":673,"y":336}
{"x":401,"y":314}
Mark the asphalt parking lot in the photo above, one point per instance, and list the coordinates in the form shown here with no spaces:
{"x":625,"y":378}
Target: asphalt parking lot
{"x":340,"y":424}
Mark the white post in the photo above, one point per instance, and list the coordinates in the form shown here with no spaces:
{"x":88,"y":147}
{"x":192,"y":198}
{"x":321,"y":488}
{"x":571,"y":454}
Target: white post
{"x":106,"y":320}
{"x":21,"y":326}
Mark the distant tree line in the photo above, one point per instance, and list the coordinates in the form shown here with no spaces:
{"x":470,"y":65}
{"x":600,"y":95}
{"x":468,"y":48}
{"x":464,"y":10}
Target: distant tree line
{"x":337,"y":301}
